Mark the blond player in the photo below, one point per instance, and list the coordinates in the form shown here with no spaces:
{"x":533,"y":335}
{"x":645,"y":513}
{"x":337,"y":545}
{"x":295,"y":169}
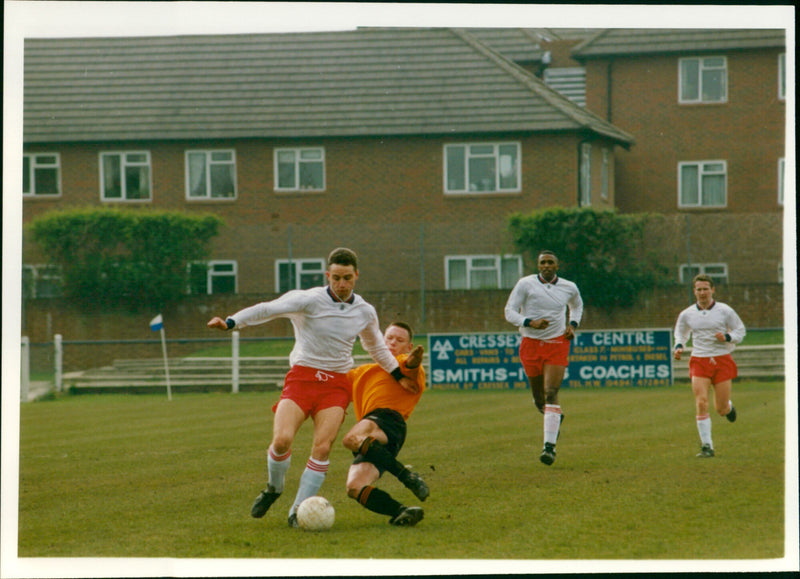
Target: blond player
{"x":382,"y":407}
{"x":715,"y":329}
{"x":327,"y":321}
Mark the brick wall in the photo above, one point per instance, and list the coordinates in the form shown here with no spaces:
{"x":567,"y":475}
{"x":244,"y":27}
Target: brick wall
{"x":760,"y":306}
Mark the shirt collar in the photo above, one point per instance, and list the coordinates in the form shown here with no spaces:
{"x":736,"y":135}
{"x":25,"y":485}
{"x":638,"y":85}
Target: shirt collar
{"x":713,"y":303}
{"x":349,"y":300}
{"x":541,"y":279}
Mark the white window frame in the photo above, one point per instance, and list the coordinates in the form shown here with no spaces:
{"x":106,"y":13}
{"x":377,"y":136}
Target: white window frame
{"x":586,"y":175}
{"x":782,"y":76}
{"x":211,"y":274}
{"x":700,"y":174}
{"x":41,"y":272}
{"x":298,"y":271}
{"x":298,"y":163}
{"x":686,"y":274}
{"x":36,"y":163}
{"x":208,"y":163}
{"x":125,"y":163}
{"x":781,"y":172}
{"x":471,"y":152}
{"x":604,"y":175}
{"x":701,"y":60}
{"x":471,"y":267}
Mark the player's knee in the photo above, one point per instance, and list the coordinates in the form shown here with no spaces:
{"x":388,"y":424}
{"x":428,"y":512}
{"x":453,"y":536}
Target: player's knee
{"x":321,"y":450}
{"x":281,"y":444}
{"x":351,"y":441}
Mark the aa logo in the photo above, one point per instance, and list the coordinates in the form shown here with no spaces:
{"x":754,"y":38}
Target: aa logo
{"x":443,"y":349}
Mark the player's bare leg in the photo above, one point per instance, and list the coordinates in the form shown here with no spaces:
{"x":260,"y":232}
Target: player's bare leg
{"x":537,"y":391}
{"x":722,"y":400}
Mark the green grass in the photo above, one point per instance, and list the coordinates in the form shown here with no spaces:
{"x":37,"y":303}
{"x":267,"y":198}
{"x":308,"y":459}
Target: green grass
{"x":140,"y":476}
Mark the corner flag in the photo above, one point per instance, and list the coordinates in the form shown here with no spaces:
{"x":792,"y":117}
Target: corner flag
{"x":157,"y":323}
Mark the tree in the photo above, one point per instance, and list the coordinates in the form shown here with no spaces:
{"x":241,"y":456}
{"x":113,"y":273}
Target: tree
{"x":601,"y":251}
{"x":114,"y":257}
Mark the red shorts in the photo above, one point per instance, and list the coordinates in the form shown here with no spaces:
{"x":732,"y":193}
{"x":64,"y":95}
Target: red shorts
{"x":534,"y":354}
{"x":718,"y":368}
{"x":314,"y":390}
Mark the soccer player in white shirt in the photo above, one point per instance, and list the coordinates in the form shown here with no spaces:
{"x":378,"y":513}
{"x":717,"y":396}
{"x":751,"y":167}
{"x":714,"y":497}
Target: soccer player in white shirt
{"x":538,"y":305}
{"x":715,"y":328}
{"x":326,"y":322}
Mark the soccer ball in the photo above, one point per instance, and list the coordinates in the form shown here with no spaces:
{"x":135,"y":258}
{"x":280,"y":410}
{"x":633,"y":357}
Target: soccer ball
{"x":315,"y":514}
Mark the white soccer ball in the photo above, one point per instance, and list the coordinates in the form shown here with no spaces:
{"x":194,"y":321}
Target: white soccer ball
{"x":315,"y":514}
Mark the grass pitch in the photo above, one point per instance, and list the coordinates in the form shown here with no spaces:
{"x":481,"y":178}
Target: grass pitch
{"x":140,"y":476}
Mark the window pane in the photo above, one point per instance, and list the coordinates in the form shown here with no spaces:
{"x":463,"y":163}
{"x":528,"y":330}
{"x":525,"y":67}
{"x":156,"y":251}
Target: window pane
{"x":714,"y":85}
{"x":311,"y":154}
{"x":309,"y":280}
{"x":690,"y":90}
{"x":456,"y":167}
{"x":482,"y":174}
{"x":286,"y":172}
{"x":483,"y":279}
{"x":457,"y":274}
{"x":223,"y":284}
{"x":509,"y":274}
{"x":311,"y":176}
{"x":481,"y":150}
{"x":222,"y":180}
{"x":222,"y":156}
{"x":112,"y":182}
{"x":223,"y":267}
{"x":46,"y":182}
{"x":689,"y":192}
{"x":508,"y":167}
{"x":137,"y":184}
{"x":197,"y":174}
{"x":713,"y":190}
{"x":26,"y":175}
{"x":138,"y":158}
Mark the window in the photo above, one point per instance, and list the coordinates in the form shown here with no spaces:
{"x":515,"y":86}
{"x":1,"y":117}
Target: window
{"x":41,"y":281}
{"x":299,"y":274}
{"x":703,"y":80}
{"x":212,"y":277}
{"x":702,"y":184}
{"x":210,"y":175}
{"x":782,"y":76}
{"x":482,"y":271}
{"x":717,"y":271}
{"x":125,"y":176}
{"x":568,"y":82}
{"x":781,"y":170}
{"x":482,"y":168}
{"x":604,"y":184}
{"x":300,"y":169}
{"x":586,"y":175}
{"x":41,"y":175}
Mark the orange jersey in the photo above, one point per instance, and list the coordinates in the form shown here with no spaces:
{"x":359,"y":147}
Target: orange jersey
{"x":374,"y":387}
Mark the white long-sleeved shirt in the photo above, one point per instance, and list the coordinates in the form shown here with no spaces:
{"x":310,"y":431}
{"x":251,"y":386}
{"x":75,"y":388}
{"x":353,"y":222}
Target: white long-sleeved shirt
{"x":534,"y":298}
{"x":325,"y":329}
{"x":702,"y":326}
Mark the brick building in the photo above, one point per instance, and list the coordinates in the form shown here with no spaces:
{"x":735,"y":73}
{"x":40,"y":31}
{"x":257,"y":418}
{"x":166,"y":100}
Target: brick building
{"x":413,"y":145}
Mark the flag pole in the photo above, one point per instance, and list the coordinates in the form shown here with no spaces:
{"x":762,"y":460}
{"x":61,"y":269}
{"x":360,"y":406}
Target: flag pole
{"x":166,"y":364}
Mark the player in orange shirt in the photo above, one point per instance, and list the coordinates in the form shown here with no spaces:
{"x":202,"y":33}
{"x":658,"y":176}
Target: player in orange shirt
{"x":382,"y":407}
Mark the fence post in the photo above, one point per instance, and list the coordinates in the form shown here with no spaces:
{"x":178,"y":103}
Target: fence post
{"x":59,"y":361}
{"x":235,"y":361}
{"x":25,"y":369}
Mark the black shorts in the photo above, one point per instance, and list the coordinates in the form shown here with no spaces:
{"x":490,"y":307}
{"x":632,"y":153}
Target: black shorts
{"x":393,"y":425}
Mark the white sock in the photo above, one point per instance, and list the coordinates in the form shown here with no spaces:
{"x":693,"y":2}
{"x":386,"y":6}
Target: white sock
{"x":310,"y":481}
{"x":704,"y":429}
{"x":278,"y":466}
{"x":552,"y":422}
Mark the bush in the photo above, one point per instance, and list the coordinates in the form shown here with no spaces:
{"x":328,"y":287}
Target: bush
{"x":114,"y":257}
{"x":601,"y":251}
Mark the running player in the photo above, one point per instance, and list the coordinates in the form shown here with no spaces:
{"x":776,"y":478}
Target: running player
{"x":538,"y":305}
{"x":326,"y":322}
{"x":715,"y":328}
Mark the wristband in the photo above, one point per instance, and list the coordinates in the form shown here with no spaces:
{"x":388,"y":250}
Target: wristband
{"x":397,"y":374}
{"x":526,"y":323}
{"x":679,"y":346}
{"x":574,"y":324}
{"x":231,"y":323}
{"x":727,"y":337}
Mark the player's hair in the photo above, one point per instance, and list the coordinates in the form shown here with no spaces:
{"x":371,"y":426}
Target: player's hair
{"x":702,"y":277}
{"x":343,"y":256}
{"x":546,"y":252}
{"x":406,"y":327}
